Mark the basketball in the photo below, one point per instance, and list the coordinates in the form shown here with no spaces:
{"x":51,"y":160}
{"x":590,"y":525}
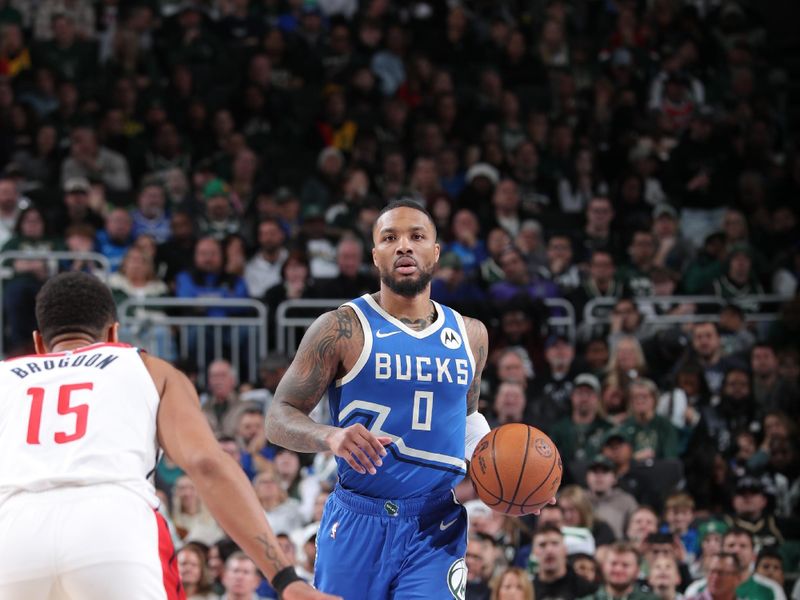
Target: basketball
{"x":516,"y":469}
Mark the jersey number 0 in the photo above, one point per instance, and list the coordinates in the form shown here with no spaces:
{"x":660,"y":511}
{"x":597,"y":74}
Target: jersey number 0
{"x":81,"y":412}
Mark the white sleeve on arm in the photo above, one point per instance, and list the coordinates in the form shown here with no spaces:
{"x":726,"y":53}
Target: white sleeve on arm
{"x":477,"y":427}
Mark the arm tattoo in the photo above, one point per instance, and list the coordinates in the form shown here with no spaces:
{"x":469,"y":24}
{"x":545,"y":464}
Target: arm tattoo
{"x":311,"y":372}
{"x":271,"y":553}
{"x":479,"y":342}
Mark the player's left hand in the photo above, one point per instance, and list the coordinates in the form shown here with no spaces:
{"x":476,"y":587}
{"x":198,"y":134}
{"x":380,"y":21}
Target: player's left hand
{"x":300,"y":590}
{"x":538,"y":511}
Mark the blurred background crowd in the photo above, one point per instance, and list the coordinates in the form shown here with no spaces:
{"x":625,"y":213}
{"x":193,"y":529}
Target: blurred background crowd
{"x":580,"y":158}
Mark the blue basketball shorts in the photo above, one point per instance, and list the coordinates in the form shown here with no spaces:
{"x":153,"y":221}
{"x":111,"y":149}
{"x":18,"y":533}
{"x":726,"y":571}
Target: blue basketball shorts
{"x":410,"y":549}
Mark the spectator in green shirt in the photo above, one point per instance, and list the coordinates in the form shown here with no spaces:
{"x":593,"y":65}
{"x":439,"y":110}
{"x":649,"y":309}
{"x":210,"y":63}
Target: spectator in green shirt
{"x":654,"y":437}
{"x":580,"y":436}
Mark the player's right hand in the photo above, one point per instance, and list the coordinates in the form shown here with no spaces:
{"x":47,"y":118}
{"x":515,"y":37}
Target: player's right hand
{"x":300,"y":590}
{"x":361,"y":449}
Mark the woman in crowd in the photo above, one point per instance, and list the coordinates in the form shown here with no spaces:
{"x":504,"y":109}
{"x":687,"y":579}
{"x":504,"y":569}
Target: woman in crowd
{"x":512,"y":583}
{"x":193,"y":569}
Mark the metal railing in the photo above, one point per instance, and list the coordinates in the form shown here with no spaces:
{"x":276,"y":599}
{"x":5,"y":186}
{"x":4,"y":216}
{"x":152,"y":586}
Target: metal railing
{"x":54,"y":261}
{"x":286,"y":325}
{"x":207,"y":337}
{"x":648,"y":304}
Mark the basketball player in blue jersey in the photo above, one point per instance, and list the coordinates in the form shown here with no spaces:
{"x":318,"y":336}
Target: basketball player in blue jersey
{"x":403,"y":375}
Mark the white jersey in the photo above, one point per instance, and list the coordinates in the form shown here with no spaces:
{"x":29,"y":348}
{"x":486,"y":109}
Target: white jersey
{"x":78,"y":418}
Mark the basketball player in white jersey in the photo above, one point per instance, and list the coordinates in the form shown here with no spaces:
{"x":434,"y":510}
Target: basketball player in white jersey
{"x":81,"y":423}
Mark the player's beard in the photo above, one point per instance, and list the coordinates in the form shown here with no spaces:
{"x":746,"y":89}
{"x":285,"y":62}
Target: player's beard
{"x":408,"y":287}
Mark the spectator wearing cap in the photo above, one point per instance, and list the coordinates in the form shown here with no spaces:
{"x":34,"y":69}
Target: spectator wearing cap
{"x":673,"y":251}
{"x":452,"y":286}
{"x":482,"y":178}
{"x":552,"y":392}
{"x":631,"y":476}
{"x":87,"y":158}
{"x":580,"y":435}
{"x":738,"y":280}
{"x":75,"y":209}
{"x":218,"y":219}
{"x":263,"y":270}
{"x":753,"y":510}
{"x":610,"y":503}
{"x":654,"y":437}
{"x":709,"y":537}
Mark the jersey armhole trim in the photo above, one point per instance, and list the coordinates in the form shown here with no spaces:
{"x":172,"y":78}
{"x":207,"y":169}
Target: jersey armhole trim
{"x":365,"y":351}
{"x":463,"y":329}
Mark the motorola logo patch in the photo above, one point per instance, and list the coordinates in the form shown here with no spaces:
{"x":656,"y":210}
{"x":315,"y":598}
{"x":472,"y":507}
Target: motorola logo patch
{"x":450,"y":338}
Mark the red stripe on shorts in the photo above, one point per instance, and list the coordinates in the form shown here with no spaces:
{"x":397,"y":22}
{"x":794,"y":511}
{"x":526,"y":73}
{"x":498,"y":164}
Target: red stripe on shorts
{"x":169,"y":561}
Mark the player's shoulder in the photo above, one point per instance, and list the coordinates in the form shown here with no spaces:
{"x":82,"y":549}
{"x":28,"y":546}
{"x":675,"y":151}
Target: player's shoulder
{"x":476,"y":329}
{"x":339,"y":328}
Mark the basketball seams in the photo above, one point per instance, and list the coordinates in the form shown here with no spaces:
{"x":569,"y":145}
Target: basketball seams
{"x":494,"y":464}
{"x":522,"y":467}
{"x":510,"y":465}
{"x":544,"y":480}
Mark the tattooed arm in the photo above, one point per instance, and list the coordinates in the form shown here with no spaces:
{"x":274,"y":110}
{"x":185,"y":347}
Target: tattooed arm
{"x":314,"y":367}
{"x":479,"y":343}
{"x":184,"y":434}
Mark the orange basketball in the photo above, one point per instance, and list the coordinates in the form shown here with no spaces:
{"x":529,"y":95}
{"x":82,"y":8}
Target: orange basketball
{"x":515,"y":469}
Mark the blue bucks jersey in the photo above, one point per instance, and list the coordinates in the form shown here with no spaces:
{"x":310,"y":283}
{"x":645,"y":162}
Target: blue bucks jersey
{"x":410,"y":386}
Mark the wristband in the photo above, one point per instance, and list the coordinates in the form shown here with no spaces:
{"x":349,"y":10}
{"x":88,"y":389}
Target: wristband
{"x":283,"y":578}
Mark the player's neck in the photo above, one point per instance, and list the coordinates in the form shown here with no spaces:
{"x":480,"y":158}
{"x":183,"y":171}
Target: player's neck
{"x":71,"y":342}
{"x":417,"y":311}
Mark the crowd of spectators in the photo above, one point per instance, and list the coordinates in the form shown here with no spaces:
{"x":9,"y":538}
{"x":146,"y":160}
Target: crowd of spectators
{"x":598,"y":152}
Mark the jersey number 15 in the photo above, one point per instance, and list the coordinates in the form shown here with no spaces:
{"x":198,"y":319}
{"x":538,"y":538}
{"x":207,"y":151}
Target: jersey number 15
{"x":81,"y":412}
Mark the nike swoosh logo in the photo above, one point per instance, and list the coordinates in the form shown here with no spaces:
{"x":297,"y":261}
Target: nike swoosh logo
{"x":387,"y":334}
{"x":443,"y":525}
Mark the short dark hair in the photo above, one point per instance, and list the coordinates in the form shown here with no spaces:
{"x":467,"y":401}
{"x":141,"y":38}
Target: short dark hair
{"x":547,"y":528}
{"x":737,"y":532}
{"x":74,"y":302}
{"x":406,"y":203}
{"x":769,"y":552}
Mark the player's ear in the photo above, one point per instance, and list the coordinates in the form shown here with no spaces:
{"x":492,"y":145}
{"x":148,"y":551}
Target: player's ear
{"x":38,"y":343}
{"x":374,"y":257}
{"x":112,"y":333}
{"x":436,"y":250}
